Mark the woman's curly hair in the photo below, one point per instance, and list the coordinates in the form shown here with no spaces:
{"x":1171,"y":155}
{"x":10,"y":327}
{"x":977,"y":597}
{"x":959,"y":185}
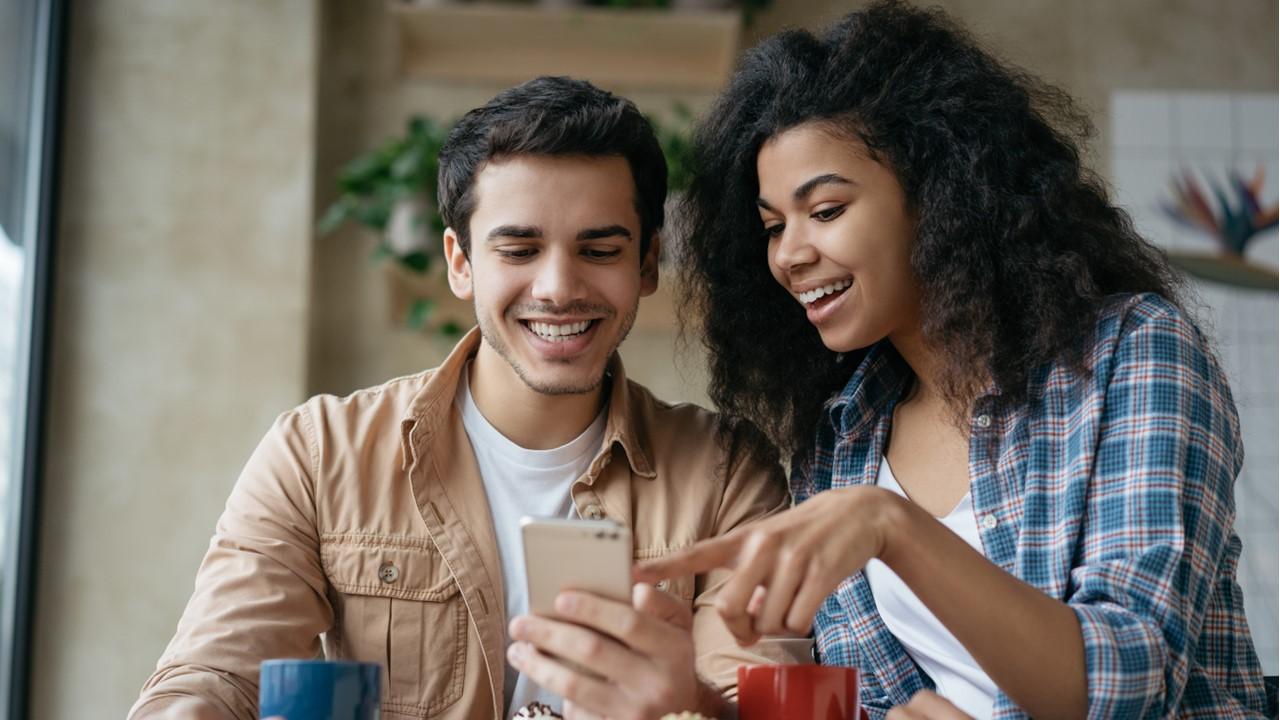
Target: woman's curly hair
{"x":1016,"y":243}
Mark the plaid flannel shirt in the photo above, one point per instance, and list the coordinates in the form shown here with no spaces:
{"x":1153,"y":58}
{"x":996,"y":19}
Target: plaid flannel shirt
{"x":1109,"y":490}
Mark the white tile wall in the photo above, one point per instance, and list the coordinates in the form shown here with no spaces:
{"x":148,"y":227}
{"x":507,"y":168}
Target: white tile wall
{"x":1155,"y":134}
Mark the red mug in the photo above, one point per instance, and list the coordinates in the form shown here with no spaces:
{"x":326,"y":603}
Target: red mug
{"x":797,"y":692}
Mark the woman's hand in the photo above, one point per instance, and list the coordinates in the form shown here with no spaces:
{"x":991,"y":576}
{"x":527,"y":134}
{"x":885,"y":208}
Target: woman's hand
{"x":786,"y":565}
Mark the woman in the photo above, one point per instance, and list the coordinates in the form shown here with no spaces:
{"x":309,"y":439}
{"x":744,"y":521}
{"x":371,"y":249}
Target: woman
{"x":1013,"y":452}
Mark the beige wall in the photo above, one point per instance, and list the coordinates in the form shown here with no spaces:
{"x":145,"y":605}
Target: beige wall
{"x":363,"y":100}
{"x":180,"y":327}
{"x":193,"y":304}
{"x":1090,"y":47}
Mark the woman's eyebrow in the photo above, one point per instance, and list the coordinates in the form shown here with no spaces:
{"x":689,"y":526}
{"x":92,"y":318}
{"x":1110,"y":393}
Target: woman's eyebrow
{"x":808,"y":186}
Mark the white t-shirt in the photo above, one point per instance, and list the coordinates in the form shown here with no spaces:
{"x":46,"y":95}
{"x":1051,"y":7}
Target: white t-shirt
{"x":522,"y":482}
{"x":926,"y":640}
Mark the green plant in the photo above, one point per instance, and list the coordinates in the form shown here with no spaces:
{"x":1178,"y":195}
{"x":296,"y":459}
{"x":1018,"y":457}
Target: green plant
{"x":677,"y":147}
{"x":372,"y":184}
{"x":398,"y":176}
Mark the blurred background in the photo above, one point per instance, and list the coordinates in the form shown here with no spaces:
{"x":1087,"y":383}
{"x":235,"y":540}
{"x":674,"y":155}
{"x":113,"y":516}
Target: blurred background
{"x":212,"y":210}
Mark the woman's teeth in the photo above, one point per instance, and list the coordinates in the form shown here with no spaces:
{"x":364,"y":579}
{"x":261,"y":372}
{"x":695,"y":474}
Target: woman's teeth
{"x":557,"y":333}
{"x":817,"y":293}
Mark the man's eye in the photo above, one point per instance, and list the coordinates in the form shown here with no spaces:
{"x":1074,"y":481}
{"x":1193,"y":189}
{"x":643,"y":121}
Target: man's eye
{"x":601,"y":253}
{"x":830,"y":213}
{"x":517,"y":253}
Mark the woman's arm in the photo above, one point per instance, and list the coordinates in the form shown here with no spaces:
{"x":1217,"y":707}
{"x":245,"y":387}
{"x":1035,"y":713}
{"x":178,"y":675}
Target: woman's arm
{"x":1027,"y":642}
{"x":1156,"y":524}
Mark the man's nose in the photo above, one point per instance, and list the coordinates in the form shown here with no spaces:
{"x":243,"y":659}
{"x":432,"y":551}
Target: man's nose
{"x":558,"y":280}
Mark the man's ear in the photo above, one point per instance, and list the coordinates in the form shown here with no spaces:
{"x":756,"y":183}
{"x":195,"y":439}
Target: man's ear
{"x":459,"y":266}
{"x":649,"y":266}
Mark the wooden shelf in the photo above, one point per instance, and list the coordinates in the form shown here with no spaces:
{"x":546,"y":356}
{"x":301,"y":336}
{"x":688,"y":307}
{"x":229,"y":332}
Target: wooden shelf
{"x":1227,"y":269}
{"x":614,"y":48}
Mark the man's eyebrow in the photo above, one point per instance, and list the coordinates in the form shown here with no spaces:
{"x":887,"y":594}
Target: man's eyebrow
{"x":514,"y":231}
{"x":604,"y":232}
{"x":809,"y":186}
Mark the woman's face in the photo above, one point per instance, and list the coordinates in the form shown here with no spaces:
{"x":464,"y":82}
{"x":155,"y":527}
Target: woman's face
{"x":839,"y":236}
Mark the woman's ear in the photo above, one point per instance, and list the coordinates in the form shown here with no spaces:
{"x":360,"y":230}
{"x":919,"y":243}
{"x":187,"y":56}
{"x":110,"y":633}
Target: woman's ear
{"x":459,"y":266}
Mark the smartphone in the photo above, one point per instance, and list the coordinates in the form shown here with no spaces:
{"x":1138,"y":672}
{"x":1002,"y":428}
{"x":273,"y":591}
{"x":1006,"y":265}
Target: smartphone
{"x":569,"y":554}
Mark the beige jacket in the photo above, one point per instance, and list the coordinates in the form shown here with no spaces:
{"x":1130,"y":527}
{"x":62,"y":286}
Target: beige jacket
{"x":360,"y":529}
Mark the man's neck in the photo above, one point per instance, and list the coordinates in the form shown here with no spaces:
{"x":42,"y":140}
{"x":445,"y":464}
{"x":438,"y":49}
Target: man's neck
{"x":528,"y":418}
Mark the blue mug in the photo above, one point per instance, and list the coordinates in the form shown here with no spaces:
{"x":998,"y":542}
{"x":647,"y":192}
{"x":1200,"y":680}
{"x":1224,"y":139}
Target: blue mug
{"x":319,"y":690}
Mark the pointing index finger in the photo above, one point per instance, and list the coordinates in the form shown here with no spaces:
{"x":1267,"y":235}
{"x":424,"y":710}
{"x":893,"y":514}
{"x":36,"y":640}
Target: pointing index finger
{"x":721,"y":552}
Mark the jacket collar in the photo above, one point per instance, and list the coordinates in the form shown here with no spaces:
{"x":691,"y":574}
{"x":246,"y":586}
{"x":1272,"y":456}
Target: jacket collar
{"x":431,"y":407}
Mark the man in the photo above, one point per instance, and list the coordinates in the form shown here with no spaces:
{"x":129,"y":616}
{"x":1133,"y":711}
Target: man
{"x":383,"y":526}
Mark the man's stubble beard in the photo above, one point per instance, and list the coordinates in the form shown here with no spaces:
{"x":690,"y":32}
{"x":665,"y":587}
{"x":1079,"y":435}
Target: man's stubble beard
{"x":490,"y":335}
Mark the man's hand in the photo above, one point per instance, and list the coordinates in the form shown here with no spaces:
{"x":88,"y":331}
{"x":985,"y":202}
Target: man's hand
{"x":786,"y":565}
{"x":926,"y":705}
{"x":643,"y":654}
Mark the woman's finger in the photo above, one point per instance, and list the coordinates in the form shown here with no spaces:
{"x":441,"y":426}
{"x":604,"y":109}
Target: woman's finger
{"x":813,"y":591}
{"x":707,"y":555}
{"x":755,"y":566}
{"x":780,"y":595}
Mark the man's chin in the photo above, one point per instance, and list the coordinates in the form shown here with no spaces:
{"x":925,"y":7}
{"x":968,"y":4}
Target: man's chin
{"x":546,"y":381}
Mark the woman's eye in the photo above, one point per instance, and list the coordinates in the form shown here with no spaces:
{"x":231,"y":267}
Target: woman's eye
{"x":601,"y":253}
{"x":774,"y":231}
{"x":830,"y":213}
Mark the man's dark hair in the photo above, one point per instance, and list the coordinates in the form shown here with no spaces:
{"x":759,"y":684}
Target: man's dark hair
{"x":551,"y":116}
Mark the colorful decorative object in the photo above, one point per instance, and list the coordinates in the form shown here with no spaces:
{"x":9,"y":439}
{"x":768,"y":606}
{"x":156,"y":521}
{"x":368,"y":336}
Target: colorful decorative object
{"x":1232,"y":217}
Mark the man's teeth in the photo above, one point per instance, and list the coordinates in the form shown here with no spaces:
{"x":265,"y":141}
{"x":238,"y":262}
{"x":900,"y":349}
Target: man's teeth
{"x":816,"y":293}
{"x":548,"y":331}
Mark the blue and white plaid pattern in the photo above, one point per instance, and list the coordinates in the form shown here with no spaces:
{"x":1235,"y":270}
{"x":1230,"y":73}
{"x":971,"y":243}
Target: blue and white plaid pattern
{"x":1109,"y":490}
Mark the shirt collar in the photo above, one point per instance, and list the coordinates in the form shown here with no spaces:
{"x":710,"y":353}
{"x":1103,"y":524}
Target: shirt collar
{"x":430,"y":407}
{"x":873,"y":389}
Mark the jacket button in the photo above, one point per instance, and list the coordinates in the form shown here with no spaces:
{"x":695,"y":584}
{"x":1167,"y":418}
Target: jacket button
{"x":594,"y":512}
{"x":388,"y":573}
{"x":989,"y":522}
{"x":984,"y":421}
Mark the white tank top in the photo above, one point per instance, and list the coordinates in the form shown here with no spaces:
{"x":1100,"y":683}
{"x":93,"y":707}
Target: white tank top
{"x":926,"y":640}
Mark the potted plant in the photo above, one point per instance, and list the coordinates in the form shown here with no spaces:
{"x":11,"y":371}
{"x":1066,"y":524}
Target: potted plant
{"x":391,"y":190}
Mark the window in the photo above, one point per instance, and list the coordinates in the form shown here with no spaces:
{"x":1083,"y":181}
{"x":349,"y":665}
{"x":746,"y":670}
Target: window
{"x":30,"y":48}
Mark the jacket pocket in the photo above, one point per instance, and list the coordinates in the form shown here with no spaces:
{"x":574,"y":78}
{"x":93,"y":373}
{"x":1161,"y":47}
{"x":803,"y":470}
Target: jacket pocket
{"x":396,"y":603}
{"x":683,"y":588}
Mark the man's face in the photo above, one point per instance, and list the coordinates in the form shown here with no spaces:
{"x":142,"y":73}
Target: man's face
{"x":555,"y":270}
